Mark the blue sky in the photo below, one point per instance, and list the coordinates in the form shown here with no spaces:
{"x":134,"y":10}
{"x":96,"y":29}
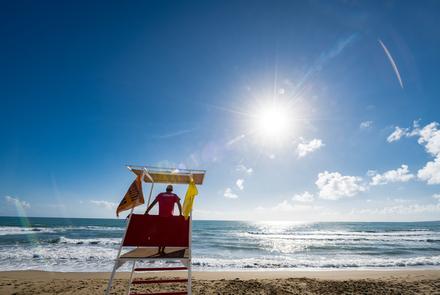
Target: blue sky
{"x":297,"y":110}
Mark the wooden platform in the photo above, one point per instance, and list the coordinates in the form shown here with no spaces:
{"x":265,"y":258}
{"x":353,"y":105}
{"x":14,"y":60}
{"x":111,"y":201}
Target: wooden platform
{"x":151,"y":253}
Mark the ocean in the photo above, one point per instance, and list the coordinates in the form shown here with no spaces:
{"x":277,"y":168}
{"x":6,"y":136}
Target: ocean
{"x":91,"y":245}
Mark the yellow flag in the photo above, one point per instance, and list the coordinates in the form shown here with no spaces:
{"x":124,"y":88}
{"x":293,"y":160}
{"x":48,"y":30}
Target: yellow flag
{"x":189,"y":199}
{"x":133,"y":198}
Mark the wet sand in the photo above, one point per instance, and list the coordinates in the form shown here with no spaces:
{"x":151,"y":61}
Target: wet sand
{"x":242,"y":282}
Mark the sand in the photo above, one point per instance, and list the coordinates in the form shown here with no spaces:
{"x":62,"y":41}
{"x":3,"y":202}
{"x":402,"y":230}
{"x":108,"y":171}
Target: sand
{"x":243,"y":282}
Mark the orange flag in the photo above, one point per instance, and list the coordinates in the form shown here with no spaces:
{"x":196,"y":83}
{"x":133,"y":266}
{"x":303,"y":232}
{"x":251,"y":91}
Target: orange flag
{"x":133,"y":198}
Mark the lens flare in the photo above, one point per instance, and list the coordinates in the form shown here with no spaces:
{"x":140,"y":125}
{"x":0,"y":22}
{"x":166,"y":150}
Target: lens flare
{"x":39,"y":252}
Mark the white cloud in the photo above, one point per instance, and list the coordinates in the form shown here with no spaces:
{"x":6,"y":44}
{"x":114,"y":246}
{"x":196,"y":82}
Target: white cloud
{"x":16,"y":202}
{"x":331,"y":213}
{"x":371,"y":172}
{"x":80,"y":201}
{"x":228,"y":194}
{"x":244,"y":169}
{"x":305,"y":148}
{"x":416,"y":208}
{"x":397,"y":134}
{"x":305,"y":197}
{"x":430,"y":137}
{"x":416,"y":123}
{"x":415,"y":131}
{"x":401,"y":174}
{"x":285,"y":206}
{"x":365,"y":125}
{"x":437,"y":196}
{"x":355,"y":211}
{"x":431,"y":172}
{"x":333,"y":186}
{"x":376,"y":201}
{"x":239,"y":184}
{"x":402,"y":201}
{"x":104,"y":204}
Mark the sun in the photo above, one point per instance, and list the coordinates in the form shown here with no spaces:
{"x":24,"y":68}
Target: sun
{"x":272,"y":122}
{"x":271,"y":125}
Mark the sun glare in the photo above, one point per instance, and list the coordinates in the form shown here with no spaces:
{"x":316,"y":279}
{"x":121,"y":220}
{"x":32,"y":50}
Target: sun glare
{"x":272,"y":123}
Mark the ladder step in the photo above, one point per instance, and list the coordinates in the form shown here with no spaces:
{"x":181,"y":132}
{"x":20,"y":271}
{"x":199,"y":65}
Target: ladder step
{"x":160,"y":281}
{"x":160,"y":268}
{"x":166,"y":293}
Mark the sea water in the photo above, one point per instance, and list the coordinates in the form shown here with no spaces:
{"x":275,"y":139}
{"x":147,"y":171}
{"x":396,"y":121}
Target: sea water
{"x":91,"y":245}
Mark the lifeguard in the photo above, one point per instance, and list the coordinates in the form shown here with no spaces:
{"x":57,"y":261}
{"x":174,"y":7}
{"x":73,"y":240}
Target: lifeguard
{"x":166,"y":203}
{"x":166,"y":207}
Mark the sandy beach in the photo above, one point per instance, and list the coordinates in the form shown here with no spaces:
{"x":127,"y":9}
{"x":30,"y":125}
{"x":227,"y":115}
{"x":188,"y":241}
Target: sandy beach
{"x":243,"y":282}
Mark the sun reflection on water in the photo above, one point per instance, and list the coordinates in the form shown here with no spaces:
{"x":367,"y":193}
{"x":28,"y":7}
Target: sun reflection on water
{"x":279,"y":236}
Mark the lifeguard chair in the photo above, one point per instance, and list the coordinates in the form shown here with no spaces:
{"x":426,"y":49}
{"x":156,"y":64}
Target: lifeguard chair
{"x":148,"y":232}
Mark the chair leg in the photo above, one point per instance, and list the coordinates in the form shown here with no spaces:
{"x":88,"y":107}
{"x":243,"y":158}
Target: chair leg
{"x":189,"y":277}
{"x":112,"y":277}
{"x":131,"y":277}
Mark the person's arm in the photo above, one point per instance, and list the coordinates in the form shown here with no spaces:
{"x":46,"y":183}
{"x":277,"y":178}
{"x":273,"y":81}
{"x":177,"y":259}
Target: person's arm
{"x":180,"y":208}
{"x":151,"y":206}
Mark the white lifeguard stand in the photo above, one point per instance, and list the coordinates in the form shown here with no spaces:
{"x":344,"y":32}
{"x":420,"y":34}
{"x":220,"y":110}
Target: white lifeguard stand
{"x":148,"y":232}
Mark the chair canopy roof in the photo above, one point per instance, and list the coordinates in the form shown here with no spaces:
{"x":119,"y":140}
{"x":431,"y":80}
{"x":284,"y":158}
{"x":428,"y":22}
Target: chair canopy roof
{"x":168,"y":175}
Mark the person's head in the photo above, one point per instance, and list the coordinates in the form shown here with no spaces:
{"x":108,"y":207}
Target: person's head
{"x":169,"y":188}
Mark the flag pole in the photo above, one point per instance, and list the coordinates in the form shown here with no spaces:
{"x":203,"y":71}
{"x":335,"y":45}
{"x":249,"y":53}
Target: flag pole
{"x":152,"y":184}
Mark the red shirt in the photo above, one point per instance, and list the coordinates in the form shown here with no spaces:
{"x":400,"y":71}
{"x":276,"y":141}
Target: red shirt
{"x":166,"y":203}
